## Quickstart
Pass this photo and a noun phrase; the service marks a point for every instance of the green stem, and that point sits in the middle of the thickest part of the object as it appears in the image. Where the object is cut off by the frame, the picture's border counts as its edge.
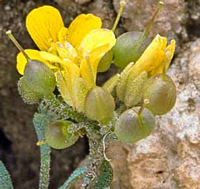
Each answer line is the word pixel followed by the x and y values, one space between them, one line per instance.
pixel 146 31
pixel 95 157
pixel 140 110
pixel 74 177
pixel 5 180
pixel 151 22
pixel 40 122
pixel 65 111
pixel 122 4
pixel 45 151
pixel 12 38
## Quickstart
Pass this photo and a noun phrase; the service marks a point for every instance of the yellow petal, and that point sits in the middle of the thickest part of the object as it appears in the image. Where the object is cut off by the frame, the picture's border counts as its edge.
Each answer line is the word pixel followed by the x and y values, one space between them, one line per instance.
pixel 33 54
pixel 97 53
pixel 67 51
pixel 62 35
pixel 88 71
pixel 93 47
pixel 81 93
pixel 169 53
pixel 43 25
pixel 152 58
pixel 62 87
pixel 170 50
pixel 68 83
pixel 81 26
pixel 97 38
pixel 50 57
pixel 89 64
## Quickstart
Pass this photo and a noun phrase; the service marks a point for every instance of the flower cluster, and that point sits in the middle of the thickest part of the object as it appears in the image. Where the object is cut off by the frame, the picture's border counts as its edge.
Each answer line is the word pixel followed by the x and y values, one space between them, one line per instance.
pixel 69 59
pixel 73 53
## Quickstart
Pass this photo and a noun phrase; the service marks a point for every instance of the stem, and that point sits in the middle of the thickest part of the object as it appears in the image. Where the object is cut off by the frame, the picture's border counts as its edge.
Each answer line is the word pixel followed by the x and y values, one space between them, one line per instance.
pixel 122 4
pixel 44 166
pixel 95 157
pixel 151 22
pixel 146 31
pixel 40 122
pixel 78 173
pixel 12 38
pixel 63 110
pixel 5 180
pixel 140 110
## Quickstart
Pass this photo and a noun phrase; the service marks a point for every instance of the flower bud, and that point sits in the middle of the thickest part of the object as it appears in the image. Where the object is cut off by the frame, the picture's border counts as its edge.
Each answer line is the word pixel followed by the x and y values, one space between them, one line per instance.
pixel 99 105
pixel 129 47
pixel 57 135
pixel 133 90
pixel 39 77
pixel 29 96
pixel 111 83
pixel 159 94
pixel 121 85
pixel 105 61
pixel 132 127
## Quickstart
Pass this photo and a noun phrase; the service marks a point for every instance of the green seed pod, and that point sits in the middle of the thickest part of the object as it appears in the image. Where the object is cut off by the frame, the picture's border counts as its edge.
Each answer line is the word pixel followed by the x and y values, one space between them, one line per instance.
pixel 57 135
pixel 134 86
pixel 159 94
pixel 39 77
pixel 132 127
pixel 129 47
pixel 105 61
pixel 99 105
pixel 29 96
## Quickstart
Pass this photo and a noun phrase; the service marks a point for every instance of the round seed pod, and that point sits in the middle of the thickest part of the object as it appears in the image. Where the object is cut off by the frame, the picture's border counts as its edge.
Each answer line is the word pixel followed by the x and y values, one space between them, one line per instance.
pixel 57 135
pixel 132 127
pixel 129 47
pixel 159 94
pixel 99 105
pixel 105 61
pixel 39 77
pixel 29 96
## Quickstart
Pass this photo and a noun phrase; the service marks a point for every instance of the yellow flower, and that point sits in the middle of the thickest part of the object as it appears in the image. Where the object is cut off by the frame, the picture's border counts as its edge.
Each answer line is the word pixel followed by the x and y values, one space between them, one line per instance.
pixel 156 55
pixel 73 53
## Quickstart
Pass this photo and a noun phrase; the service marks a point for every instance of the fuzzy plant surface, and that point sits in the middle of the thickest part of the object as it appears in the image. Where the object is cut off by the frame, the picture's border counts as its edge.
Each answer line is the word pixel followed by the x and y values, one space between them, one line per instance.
pixel 61 78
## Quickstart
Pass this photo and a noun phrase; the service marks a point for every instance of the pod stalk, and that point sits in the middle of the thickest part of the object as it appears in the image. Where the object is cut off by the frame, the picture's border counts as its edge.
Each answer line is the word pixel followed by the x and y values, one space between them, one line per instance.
pixel 122 4
pixel 151 22
pixel 140 110
pixel 12 38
